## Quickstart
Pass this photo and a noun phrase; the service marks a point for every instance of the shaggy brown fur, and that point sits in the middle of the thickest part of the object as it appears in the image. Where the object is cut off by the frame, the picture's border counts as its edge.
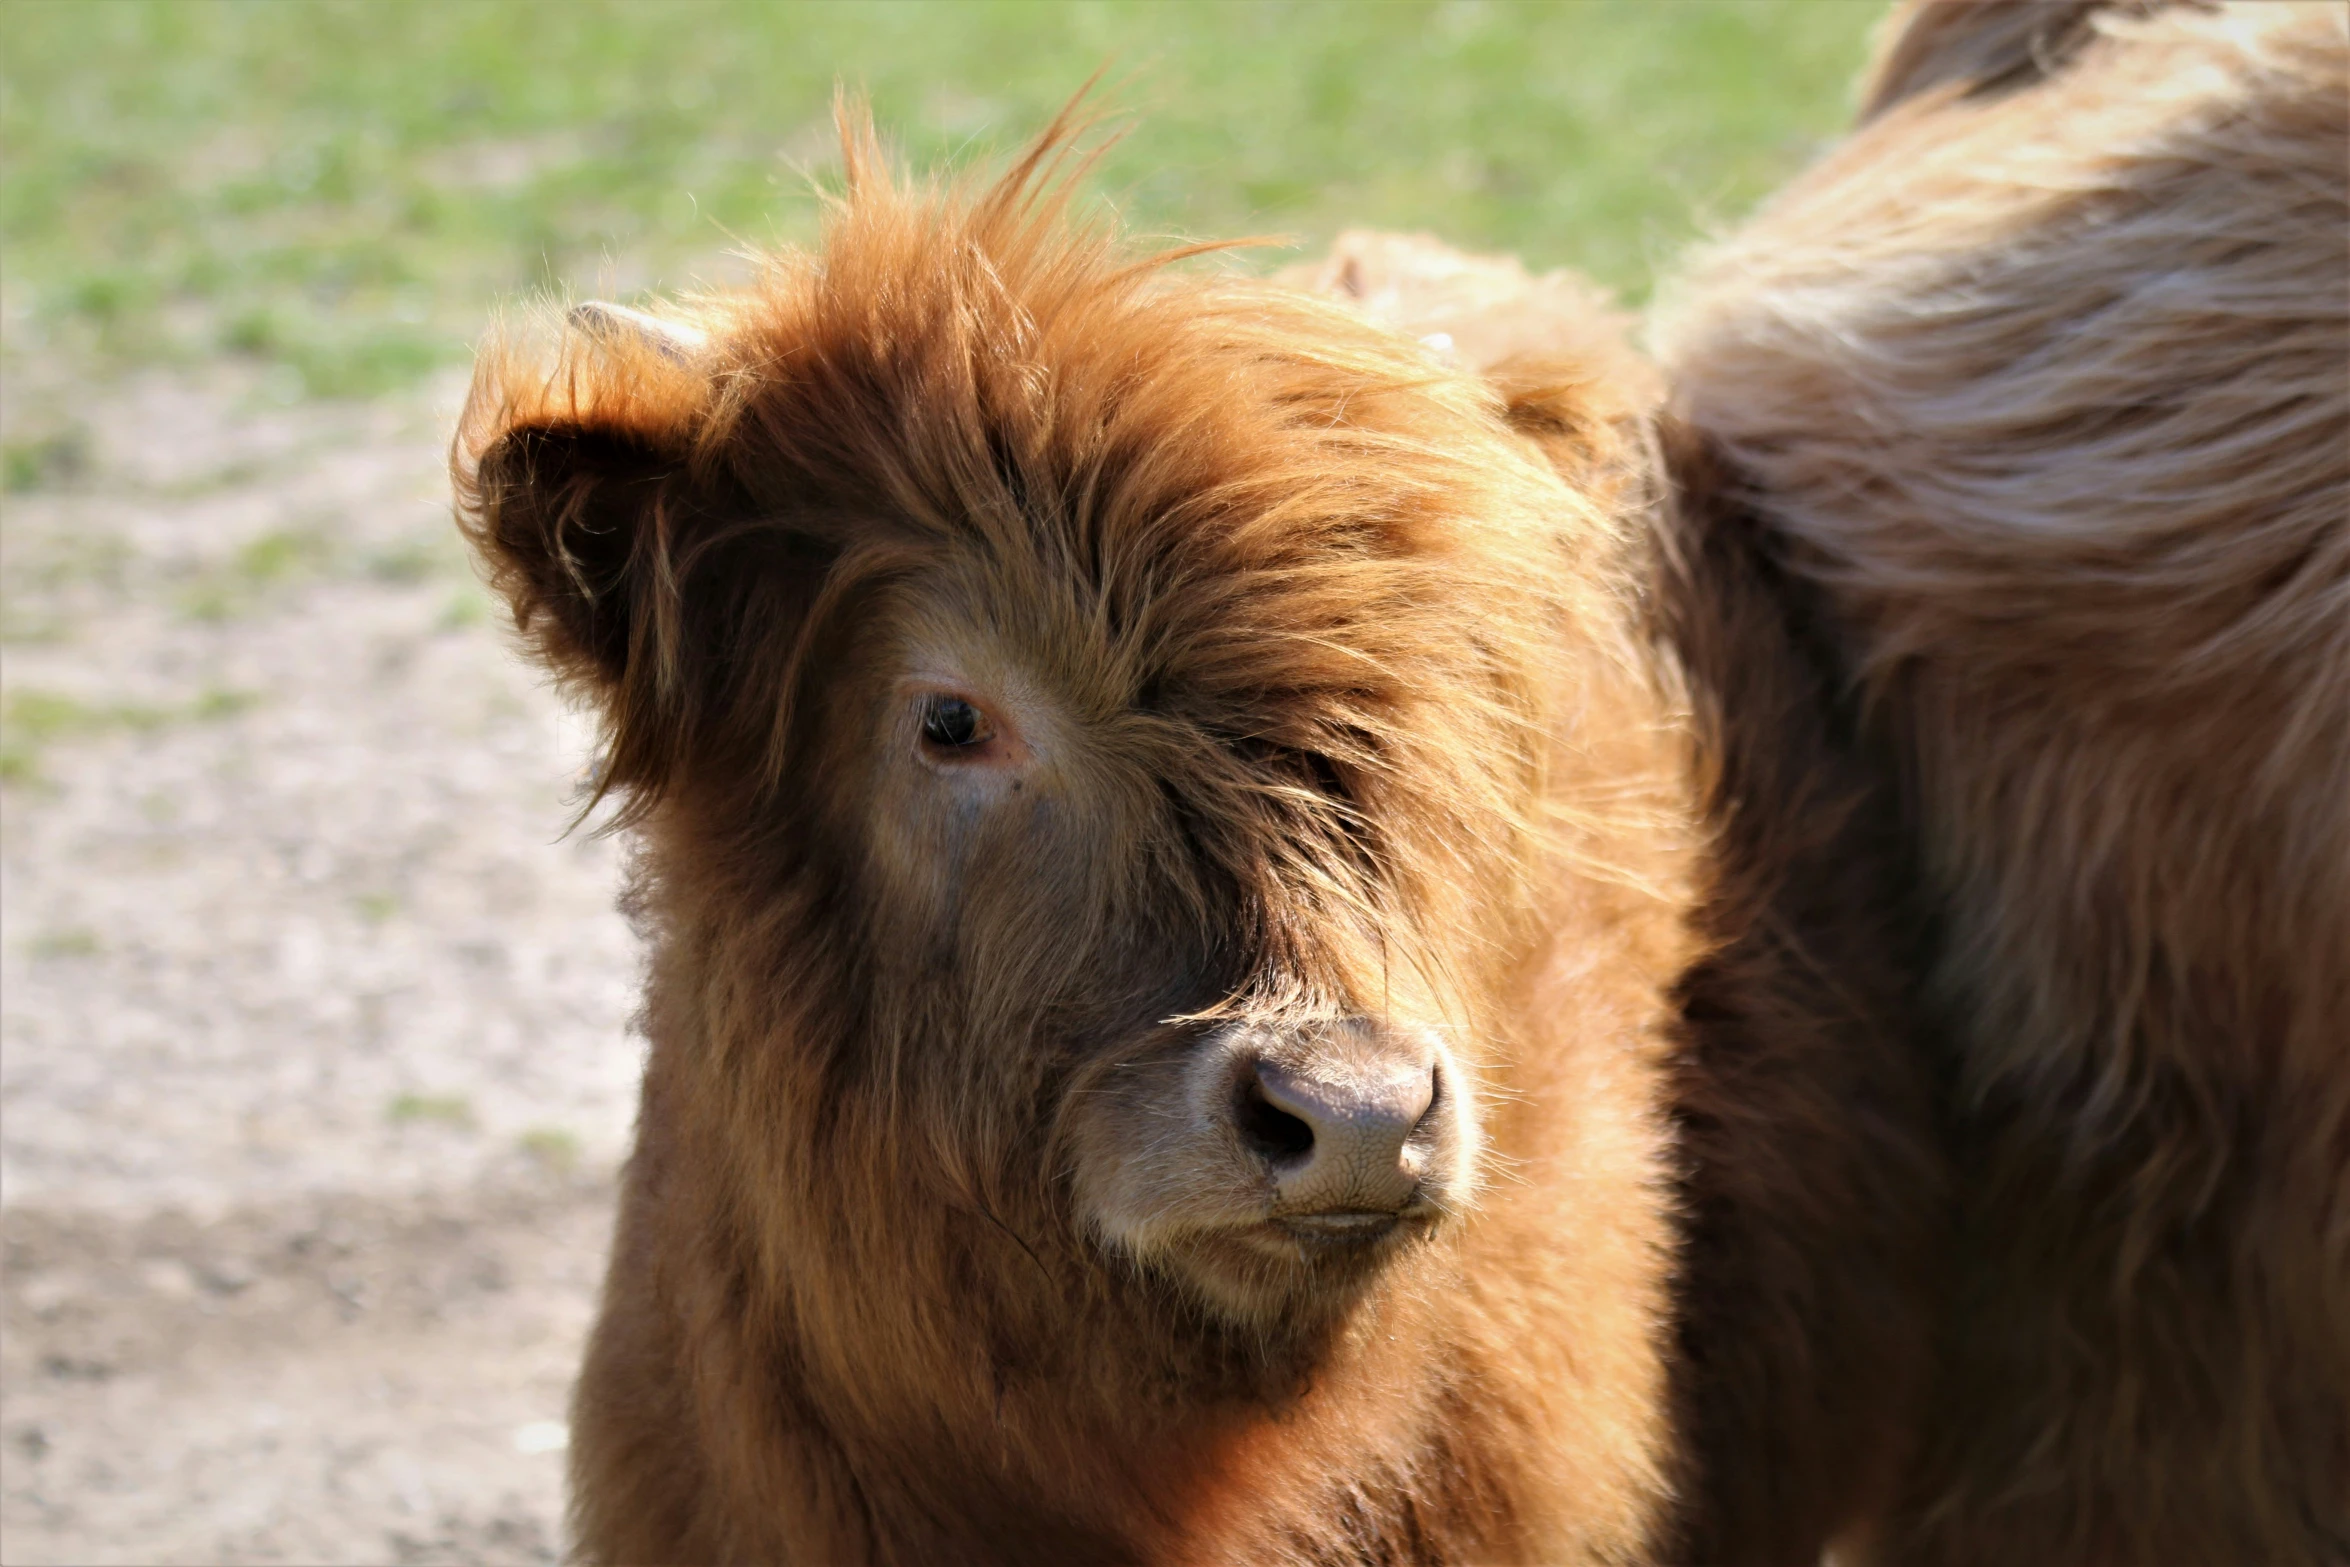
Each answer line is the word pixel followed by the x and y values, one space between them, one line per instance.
pixel 2035 396
pixel 1811 1183
pixel 1313 709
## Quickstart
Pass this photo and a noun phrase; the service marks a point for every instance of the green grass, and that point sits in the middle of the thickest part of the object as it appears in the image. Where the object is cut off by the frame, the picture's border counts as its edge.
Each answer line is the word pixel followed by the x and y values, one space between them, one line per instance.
pixel 465 608
pixel 262 567
pixel 75 941
pixel 414 560
pixel 345 190
pixel 31 720
pixel 44 462
pixel 442 1109
pixel 550 1147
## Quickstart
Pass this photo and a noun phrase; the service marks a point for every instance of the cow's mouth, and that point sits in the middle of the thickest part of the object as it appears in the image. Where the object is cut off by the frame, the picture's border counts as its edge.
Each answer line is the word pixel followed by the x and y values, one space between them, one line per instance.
pixel 1345 1228
pixel 1348 1232
pixel 1296 1265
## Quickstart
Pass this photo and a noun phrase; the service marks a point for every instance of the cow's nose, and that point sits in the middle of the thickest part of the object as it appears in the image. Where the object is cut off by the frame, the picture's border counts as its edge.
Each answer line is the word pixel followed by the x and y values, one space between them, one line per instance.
pixel 1339 1130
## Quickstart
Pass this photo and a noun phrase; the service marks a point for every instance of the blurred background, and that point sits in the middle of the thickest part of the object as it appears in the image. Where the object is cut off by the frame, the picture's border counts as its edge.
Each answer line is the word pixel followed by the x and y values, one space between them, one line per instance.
pixel 315 1060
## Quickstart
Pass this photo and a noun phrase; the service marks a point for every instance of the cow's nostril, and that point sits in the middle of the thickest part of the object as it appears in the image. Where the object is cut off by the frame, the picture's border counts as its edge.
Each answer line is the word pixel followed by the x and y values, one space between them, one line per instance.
pixel 1270 1131
pixel 1344 1132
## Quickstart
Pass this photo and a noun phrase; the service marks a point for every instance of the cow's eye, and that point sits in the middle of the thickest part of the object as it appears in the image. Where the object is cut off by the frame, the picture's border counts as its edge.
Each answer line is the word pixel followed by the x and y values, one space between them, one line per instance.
pixel 952 724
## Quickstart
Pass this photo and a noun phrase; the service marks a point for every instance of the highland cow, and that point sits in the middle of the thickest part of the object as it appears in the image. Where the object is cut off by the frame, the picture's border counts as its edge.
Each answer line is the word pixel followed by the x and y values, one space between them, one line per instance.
pixel 2034 400
pixel 1165 860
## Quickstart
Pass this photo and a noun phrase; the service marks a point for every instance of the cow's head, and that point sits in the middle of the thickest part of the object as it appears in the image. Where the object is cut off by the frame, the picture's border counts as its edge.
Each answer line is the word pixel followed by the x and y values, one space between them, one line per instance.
pixel 1090 723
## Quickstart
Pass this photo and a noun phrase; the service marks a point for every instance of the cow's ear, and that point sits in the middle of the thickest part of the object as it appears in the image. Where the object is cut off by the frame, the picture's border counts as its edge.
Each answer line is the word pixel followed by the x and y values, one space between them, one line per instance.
pixel 606 511
pixel 560 518
pixel 589 527
pixel 574 485
pixel 568 518
pixel 1591 419
pixel 1976 47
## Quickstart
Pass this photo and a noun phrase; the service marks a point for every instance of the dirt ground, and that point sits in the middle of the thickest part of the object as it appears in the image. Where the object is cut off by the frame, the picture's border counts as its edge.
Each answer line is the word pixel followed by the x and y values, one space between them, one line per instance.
pixel 315 1063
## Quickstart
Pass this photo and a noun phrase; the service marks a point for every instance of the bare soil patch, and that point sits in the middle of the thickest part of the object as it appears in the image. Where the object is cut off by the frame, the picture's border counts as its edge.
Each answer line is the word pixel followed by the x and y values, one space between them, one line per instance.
pixel 314 1058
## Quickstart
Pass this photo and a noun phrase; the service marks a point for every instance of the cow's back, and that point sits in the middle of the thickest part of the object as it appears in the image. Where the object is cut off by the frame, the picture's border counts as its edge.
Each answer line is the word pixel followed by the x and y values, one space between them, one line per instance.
pixel 2038 392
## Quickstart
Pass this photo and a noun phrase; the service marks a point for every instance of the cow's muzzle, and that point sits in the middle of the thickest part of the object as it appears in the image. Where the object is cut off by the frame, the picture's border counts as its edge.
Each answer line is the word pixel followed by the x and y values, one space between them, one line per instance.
pixel 1275 1167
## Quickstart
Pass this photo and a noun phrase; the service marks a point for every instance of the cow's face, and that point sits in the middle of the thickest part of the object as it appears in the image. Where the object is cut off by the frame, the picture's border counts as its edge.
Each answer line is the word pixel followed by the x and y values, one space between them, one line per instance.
pixel 1133 938
pixel 1134 692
